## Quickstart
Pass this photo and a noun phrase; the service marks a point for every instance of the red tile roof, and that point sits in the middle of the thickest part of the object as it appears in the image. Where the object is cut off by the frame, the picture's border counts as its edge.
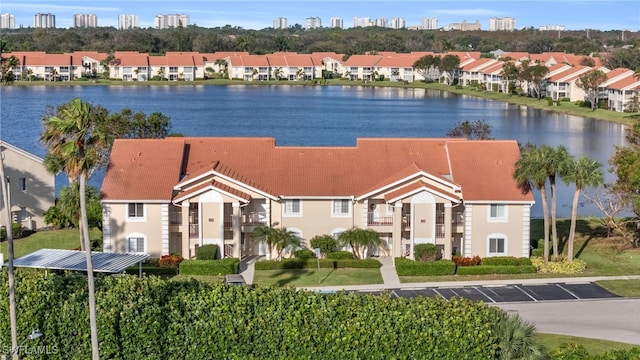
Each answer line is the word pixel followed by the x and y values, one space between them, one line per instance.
pixel 149 169
pixel 411 188
pixel 362 60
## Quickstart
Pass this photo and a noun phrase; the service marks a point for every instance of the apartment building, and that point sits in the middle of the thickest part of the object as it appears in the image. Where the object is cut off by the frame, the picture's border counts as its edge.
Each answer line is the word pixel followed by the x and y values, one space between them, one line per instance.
pixel 397 23
pixel 7 21
pixel 336 22
pixel 172 195
pixel 280 23
pixel 312 23
pixel 126 22
pixel 85 20
pixel 44 21
pixel 465 26
pixel 502 24
pixel 429 23
pixel 31 187
pixel 170 21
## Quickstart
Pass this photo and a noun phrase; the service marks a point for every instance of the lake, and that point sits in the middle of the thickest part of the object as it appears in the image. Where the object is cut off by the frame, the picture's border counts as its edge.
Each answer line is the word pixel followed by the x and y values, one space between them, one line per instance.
pixel 318 116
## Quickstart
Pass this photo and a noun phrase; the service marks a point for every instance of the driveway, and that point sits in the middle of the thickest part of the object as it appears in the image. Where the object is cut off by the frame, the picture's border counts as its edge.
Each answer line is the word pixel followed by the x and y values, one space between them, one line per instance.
pixel 610 319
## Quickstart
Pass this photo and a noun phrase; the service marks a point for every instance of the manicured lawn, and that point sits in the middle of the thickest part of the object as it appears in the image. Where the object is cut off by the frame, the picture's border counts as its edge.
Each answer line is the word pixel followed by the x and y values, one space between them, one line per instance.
pixel 310 277
pixel 48 239
pixel 593 346
pixel 627 288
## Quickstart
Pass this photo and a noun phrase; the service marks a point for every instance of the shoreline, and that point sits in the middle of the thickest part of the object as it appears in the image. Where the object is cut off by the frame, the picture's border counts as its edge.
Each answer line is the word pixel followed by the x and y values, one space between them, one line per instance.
pixel 567 108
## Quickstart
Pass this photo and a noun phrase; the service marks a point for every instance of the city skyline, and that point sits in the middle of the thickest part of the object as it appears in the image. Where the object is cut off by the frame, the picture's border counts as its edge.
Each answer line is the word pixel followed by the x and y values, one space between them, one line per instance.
pixel 572 14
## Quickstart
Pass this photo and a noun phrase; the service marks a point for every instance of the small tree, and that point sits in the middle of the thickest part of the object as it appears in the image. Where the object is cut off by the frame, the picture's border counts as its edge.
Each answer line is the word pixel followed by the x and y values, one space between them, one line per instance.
pixel 590 83
pixel 477 130
pixel 426 64
pixel 326 243
pixel 359 240
pixel 449 64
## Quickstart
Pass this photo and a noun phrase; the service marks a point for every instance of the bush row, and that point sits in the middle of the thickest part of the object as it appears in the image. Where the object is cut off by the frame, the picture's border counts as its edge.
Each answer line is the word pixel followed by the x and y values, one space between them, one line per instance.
pixel 207 252
pixel 495 269
pixel 313 263
pixel 150 318
pixel 152 270
pixel 210 267
pixel 495 260
pixel 407 267
pixel 576 266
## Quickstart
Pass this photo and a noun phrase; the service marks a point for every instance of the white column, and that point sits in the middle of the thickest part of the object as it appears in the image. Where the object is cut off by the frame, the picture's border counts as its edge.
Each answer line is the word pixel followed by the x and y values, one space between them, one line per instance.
pixel 526 228
pixel 165 228
pixel 466 249
pixel 396 232
pixel 447 231
pixel 236 224
pixel 186 246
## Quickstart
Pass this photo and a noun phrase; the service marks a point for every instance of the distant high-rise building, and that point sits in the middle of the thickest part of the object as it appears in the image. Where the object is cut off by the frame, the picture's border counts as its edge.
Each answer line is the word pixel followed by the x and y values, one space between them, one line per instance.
pixel 312 23
pixel 429 23
pixel 552 28
pixel 170 21
pixel 280 23
pixel 465 26
pixel 128 22
pixel 502 24
pixel 361 22
pixel 381 22
pixel 7 21
pixel 397 23
pixel 336 22
pixel 45 21
pixel 85 20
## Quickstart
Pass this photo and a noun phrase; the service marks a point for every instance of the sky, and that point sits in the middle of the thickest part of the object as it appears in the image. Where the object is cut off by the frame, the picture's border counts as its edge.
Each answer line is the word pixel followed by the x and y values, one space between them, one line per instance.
pixel 572 14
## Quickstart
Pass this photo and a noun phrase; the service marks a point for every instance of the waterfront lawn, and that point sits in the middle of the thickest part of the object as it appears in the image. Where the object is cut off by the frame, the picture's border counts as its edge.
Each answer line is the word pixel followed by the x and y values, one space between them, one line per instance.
pixel 593 346
pixel 311 277
pixel 48 239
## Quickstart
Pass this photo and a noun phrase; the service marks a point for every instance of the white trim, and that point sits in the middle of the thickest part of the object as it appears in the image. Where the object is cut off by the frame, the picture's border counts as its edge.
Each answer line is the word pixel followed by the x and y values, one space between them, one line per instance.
pixel 19 151
pixel 468 222
pixel 142 218
pixel 419 173
pixel 232 180
pixel 291 214
pixel 165 228
pixel 498 202
pixel 209 188
pixel 424 188
pixel 497 236
pixel 502 219
pixel 137 200
pixel 313 197
pixel 136 235
pixel 526 231
pixel 106 228
pixel 341 215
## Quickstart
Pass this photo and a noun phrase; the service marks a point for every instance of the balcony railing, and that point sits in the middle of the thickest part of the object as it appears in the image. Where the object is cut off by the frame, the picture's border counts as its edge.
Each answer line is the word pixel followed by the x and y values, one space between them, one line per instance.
pixel 439 230
pixel 458 219
pixel 254 218
pixel 375 219
pixel 175 218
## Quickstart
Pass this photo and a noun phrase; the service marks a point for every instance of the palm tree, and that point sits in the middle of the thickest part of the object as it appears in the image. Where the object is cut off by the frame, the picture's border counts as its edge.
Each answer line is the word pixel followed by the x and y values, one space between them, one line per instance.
pixel 530 174
pixel 556 160
pixel 29 74
pixel 300 74
pixel 516 339
pixel 54 74
pixel 277 239
pixel 582 172
pixel 72 137
pixel 222 65
pixel 277 73
pixel 161 73
pixel 254 73
pixel 359 240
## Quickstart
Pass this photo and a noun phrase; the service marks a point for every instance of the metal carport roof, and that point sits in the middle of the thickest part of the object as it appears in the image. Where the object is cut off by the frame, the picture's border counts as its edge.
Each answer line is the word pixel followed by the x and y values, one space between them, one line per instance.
pixel 56 259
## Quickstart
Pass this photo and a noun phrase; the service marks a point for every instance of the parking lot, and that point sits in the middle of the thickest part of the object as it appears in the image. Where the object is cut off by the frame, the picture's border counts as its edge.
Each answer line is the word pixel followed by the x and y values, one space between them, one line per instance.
pixel 512 293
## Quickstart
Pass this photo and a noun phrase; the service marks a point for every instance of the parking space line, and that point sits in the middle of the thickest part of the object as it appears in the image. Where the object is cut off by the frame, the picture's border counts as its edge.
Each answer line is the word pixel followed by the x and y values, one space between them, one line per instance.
pixel 567 290
pixel 485 295
pixel 437 292
pixel 525 292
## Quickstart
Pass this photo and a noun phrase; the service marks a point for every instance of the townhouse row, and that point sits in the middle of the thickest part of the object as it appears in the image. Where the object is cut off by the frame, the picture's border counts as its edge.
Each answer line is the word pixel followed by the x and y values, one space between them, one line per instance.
pixel 561 81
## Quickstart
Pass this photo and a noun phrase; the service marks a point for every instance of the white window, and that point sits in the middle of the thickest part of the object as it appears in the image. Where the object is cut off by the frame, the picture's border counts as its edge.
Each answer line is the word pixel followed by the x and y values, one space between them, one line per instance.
pixel 292 207
pixel 497 213
pixel 135 211
pixel 341 208
pixel 22 184
pixel 136 243
pixel 497 245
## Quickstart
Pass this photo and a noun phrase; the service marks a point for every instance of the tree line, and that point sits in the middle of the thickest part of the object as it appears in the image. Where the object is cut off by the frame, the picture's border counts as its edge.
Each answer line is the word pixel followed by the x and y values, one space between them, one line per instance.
pixel 344 41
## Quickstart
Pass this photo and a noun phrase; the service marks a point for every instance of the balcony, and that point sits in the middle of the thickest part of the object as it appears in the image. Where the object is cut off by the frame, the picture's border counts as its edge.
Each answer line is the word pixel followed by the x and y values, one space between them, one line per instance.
pixel 175 218
pixel 376 220
pixel 255 218
pixel 439 230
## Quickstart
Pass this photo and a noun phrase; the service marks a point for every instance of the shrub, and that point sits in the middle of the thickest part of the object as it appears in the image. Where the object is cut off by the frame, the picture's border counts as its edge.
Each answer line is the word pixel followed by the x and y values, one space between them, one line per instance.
pixel 537 252
pixel 326 243
pixel 170 261
pixel 16 232
pixel 151 262
pixel 407 267
pixel 540 244
pixel 495 269
pixel 291 264
pixel 210 267
pixel 576 266
pixel 152 270
pixel 207 252
pixel 337 255
pixel 506 260
pixel 467 261
pixel 304 254
pixel 425 252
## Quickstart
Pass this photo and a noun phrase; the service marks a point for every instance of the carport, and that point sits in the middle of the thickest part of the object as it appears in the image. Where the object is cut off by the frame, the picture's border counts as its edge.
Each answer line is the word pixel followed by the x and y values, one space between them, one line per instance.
pixel 76 260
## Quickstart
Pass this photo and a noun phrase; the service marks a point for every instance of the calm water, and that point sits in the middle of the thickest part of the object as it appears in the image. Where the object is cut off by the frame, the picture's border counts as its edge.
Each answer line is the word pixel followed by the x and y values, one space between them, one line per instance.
pixel 321 115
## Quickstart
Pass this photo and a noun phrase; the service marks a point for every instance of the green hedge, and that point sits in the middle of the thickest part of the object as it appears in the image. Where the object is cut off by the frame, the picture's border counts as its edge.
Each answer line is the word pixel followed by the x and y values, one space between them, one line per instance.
pixel 406 267
pixel 506 260
pixel 495 269
pixel 537 252
pixel 151 318
pixel 207 252
pixel 152 270
pixel 291 264
pixel 337 255
pixel 210 267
